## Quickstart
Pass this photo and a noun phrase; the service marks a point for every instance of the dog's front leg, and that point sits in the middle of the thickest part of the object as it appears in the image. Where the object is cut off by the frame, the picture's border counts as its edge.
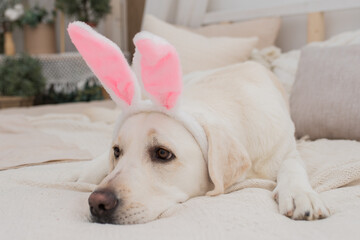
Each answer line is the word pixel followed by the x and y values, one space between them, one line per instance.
pixel 294 194
pixel 96 170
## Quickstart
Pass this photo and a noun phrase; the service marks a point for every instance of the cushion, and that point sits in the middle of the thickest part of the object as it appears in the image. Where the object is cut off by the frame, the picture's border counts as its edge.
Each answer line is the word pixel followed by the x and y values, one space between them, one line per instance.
pixel 197 52
pixel 325 99
pixel 286 65
pixel 266 29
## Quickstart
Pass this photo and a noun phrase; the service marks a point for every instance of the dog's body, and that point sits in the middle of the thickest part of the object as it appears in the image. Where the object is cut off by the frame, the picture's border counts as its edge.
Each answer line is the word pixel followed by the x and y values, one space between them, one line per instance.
pixel 251 109
pixel 250 135
pixel 229 126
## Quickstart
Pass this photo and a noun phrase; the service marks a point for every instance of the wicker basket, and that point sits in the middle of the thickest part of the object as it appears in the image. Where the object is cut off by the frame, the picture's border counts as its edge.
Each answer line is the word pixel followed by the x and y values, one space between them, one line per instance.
pixel 10 101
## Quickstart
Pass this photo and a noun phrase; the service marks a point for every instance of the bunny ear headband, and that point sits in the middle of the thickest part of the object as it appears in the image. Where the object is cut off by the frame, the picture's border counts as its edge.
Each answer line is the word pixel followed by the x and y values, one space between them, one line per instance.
pixel 156 63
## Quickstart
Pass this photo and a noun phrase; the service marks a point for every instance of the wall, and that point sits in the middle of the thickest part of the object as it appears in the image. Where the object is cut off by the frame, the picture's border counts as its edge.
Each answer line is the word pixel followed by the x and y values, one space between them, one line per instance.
pixel 293 31
pixel 292 34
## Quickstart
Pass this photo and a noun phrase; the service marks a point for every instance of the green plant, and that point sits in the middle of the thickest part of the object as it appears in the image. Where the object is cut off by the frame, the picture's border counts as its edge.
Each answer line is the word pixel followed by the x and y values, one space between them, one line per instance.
pixel 10 12
pixel 91 91
pixel 36 15
pixel 6 5
pixel 89 11
pixel 21 76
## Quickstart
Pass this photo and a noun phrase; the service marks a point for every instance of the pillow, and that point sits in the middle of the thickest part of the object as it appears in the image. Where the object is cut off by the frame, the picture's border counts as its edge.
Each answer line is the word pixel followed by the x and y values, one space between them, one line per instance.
pixel 197 52
pixel 325 99
pixel 266 29
pixel 286 65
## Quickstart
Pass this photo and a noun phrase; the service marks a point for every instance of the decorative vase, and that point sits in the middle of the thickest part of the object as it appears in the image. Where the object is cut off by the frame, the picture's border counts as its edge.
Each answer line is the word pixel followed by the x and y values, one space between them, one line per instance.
pixel 9 45
pixel 41 39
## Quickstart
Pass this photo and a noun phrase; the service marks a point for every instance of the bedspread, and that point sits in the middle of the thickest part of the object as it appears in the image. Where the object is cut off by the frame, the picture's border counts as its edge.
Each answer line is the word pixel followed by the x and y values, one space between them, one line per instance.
pixel 44 201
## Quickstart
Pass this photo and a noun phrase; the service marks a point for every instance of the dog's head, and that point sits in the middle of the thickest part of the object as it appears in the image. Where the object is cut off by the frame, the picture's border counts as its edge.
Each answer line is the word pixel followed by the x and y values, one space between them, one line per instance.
pixel 160 156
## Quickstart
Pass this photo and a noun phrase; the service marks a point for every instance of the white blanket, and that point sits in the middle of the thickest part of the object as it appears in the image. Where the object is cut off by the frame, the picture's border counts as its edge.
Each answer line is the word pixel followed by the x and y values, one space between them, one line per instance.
pixel 51 133
pixel 44 202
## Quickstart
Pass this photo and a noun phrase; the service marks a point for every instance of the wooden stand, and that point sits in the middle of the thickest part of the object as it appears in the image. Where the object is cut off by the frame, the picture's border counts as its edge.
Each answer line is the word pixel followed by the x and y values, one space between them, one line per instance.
pixel 41 39
pixel 315 27
pixel 62 32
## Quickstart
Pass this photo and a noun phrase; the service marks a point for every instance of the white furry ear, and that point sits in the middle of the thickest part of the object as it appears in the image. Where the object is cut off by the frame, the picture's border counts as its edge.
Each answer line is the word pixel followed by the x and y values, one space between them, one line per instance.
pixel 228 160
pixel 107 62
pixel 157 63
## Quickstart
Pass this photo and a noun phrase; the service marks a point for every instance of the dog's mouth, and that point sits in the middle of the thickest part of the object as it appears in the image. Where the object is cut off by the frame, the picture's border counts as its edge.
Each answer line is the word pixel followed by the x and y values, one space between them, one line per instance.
pixel 119 217
pixel 164 214
pixel 115 220
pixel 170 210
pixel 103 220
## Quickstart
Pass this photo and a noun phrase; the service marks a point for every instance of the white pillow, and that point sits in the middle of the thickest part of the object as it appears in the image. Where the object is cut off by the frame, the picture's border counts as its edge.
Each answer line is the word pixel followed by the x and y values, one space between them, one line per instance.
pixel 197 52
pixel 285 67
pixel 266 29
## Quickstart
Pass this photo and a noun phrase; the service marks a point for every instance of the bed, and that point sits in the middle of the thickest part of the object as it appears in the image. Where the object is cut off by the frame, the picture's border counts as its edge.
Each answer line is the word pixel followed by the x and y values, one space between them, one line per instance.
pixel 44 149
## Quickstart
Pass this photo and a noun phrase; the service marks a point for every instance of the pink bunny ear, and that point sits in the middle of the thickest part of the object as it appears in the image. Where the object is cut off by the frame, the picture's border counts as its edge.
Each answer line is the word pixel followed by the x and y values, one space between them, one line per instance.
pixel 106 60
pixel 160 68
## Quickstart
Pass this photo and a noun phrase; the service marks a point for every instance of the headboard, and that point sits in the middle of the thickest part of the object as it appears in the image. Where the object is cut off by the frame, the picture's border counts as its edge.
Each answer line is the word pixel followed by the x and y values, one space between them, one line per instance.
pixel 195 13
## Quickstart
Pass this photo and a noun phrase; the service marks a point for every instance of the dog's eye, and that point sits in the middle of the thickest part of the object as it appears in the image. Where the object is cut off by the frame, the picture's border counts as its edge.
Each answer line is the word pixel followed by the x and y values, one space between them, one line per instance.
pixel 163 154
pixel 117 151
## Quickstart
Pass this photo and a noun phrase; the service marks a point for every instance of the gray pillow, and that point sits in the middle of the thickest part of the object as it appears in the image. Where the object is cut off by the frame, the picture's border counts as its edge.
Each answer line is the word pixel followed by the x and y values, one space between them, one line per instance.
pixel 325 99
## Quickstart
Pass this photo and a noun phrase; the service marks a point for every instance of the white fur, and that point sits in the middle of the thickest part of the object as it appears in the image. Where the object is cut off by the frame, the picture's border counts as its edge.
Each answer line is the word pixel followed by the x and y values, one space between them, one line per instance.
pixel 250 135
pixel 139 105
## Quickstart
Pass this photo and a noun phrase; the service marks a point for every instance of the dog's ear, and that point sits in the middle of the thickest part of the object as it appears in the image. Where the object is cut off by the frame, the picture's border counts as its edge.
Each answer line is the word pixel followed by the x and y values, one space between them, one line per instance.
pixel 228 160
pixel 158 67
pixel 107 62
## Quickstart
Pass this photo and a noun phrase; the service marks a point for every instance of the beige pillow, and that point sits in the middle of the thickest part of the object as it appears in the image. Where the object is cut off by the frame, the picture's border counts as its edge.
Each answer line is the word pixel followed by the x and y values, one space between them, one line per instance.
pixel 197 52
pixel 325 99
pixel 266 29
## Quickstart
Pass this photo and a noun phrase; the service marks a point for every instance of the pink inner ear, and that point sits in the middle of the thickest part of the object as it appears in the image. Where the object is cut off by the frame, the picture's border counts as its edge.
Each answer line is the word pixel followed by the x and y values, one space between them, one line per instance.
pixel 106 61
pixel 160 71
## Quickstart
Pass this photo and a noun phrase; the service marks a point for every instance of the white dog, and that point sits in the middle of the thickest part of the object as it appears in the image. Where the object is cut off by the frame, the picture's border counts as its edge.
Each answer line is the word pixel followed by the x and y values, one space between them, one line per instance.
pixel 222 132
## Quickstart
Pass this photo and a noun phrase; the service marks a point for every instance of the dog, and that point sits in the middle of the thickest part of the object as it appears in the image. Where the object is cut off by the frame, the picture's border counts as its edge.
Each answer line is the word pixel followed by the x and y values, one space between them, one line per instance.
pixel 196 141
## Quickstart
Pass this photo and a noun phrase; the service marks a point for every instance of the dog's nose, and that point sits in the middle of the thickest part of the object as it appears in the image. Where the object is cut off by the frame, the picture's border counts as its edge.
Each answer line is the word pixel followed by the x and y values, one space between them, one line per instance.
pixel 102 204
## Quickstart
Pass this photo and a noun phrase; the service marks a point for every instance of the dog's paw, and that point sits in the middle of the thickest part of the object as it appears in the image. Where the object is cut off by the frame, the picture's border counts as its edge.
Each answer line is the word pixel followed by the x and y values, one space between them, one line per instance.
pixel 95 170
pixel 300 204
pixel 90 177
pixel 92 174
